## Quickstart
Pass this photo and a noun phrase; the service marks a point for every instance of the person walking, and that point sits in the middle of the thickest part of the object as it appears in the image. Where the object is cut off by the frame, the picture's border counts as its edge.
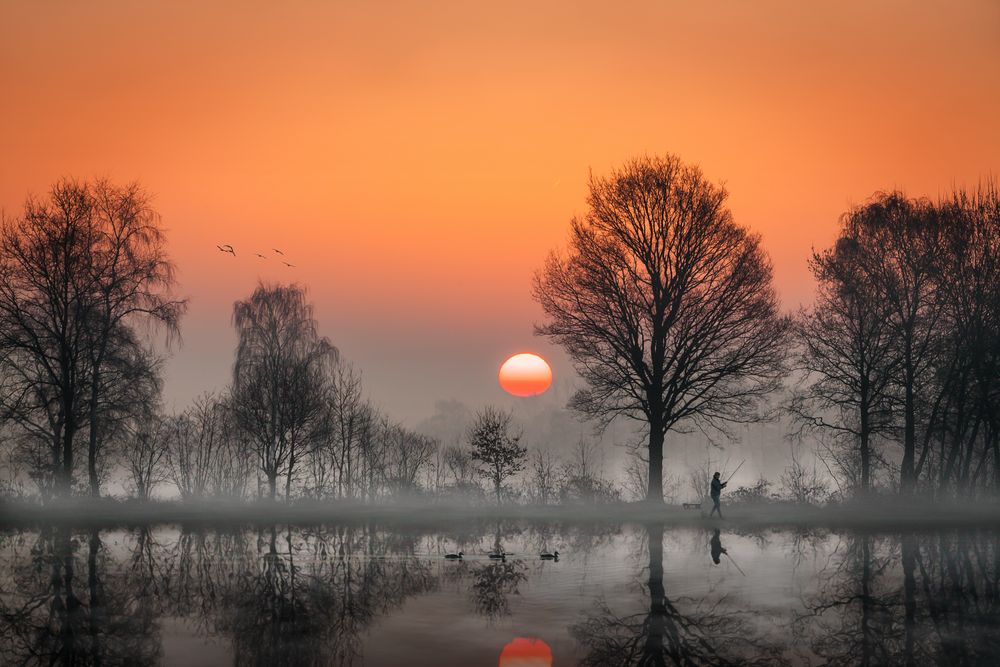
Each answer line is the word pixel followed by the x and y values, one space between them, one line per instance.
pixel 716 493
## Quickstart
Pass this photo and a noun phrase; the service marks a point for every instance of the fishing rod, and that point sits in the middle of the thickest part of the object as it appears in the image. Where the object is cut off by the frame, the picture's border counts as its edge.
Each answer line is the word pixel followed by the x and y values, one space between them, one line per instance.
pixel 734 563
pixel 736 471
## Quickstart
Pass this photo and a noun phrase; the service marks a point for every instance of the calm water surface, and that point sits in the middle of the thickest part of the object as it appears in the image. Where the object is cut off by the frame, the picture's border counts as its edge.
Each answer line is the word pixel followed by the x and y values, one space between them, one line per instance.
pixel 377 595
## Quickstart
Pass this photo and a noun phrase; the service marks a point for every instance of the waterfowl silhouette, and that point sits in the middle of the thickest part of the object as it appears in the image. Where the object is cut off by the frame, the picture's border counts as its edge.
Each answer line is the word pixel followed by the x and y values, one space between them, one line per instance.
pixel 545 555
pixel 498 555
pixel 457 556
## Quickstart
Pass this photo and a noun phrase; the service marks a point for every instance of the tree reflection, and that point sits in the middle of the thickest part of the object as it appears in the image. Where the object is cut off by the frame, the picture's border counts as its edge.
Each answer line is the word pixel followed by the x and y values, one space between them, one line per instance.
pixel 60 618
pixel 291 597
pixel 493 584
pixel 924 599
pixel 308 601
pixel 671 632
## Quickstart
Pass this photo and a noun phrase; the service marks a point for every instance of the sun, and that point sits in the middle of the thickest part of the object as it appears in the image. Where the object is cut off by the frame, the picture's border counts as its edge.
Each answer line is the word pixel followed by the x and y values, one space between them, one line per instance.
pixel 525 374
pixel 526 652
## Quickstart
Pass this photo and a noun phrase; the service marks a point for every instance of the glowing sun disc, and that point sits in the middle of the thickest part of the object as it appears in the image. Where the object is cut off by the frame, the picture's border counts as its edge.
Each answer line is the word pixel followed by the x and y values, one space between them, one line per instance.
pixel 525 374
pixel 526 652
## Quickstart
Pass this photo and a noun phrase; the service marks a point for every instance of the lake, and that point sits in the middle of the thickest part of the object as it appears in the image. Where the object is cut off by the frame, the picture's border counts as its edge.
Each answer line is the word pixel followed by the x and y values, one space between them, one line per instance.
pixel 619 593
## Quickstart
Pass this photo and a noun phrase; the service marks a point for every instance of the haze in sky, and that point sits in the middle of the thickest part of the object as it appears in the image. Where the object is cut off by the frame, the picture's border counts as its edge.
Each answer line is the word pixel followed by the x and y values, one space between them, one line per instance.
pixel 416 163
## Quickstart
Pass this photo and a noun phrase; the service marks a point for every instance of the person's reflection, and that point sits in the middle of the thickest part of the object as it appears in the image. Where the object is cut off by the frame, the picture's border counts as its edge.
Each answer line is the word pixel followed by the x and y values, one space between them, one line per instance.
pixel 676 631
pixel 715 545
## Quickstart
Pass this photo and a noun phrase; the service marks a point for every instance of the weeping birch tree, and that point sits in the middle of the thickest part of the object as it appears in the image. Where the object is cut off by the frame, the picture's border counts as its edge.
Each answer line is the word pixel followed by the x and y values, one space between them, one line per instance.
pixel 279 391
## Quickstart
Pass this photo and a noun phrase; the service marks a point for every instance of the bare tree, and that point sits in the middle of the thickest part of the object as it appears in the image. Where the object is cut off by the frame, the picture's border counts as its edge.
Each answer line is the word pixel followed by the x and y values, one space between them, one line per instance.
pixel 144 453
pixel 460 463
pixel 968 277
pixel 46 310
pixel 77 274
pixel 196 441
pixel 900 238
pixel 665 304
pixel 495 445
pixel 636 481
pixel 409 453
pixel 545 477
pixel 846 355
pixel 583 479
pixel 802 485
pixel 348 414
pixel 133 279
pixel 279 392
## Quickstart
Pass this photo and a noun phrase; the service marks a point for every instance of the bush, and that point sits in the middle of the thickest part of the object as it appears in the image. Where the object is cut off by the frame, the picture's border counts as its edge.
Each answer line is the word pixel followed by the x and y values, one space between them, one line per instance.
pixel 760 492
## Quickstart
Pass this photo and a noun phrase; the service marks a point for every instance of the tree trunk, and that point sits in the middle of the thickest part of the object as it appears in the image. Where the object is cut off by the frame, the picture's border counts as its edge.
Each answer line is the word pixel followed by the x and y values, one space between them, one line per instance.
pixel 865 447
pixel 95 484
pixel 67 456
pixel 654 493
pixel 653 649
pixel 272 484
pixel 866 463
pixel 908 554
pixel 907 483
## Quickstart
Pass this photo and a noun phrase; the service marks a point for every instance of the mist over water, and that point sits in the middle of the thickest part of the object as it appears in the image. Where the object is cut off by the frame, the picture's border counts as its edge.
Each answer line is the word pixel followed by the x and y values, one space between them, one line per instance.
pixel 379 594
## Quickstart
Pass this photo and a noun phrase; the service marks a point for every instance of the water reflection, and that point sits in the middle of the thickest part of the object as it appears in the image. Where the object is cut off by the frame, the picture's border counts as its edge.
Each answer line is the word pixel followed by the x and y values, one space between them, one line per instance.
pixel 526 652
pixel 678 631
pixel 917 599
pixel 68 611
pixel 323 595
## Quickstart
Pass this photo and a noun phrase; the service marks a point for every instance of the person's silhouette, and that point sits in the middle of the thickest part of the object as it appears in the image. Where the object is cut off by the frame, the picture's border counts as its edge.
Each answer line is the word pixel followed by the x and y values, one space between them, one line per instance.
pixel 717 486
pixel 715 544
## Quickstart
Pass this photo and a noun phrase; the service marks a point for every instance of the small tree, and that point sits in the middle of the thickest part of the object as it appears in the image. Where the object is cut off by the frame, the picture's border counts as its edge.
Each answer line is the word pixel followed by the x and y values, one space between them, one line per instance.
pixel 803 486
pixel 496 447
pixel 144 453
pixel 545 477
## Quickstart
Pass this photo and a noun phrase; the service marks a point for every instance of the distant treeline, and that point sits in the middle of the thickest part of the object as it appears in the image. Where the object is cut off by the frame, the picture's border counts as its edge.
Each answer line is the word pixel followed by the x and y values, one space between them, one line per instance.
pixel 664 303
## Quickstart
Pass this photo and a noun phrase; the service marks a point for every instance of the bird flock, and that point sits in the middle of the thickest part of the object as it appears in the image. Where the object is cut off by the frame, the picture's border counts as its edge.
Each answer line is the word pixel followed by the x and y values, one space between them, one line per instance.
pixel 226 248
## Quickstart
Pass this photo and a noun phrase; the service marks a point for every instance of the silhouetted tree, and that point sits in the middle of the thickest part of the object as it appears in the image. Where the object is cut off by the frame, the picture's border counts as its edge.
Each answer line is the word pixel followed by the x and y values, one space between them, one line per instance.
pixel 846 354
pixel 968 273
pixel 47 306
pixel 545 477
pixel 133 279
pixel 898 238
pixel 496 447
pixel 665 304
pixel 144 452
pixel 77 275
pixel 279 392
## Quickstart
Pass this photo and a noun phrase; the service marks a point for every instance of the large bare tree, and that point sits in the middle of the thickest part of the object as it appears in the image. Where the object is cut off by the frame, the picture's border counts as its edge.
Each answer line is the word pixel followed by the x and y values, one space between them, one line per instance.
pixel 133 280
pixel 46 305
pixel 847 359
pixel 665 305
pixel 78 271
pixel 279 391
pixel 898 239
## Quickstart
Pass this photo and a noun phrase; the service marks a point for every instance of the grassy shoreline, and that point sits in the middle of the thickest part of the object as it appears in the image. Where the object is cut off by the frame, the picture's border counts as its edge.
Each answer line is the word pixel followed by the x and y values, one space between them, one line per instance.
pixel 886 515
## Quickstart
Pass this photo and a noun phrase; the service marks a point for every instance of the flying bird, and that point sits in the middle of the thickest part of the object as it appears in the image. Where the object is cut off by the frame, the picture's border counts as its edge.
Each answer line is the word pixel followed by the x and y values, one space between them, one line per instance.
pixel 277 251
pixel 227 248
pixel 260 255
pixel 287 264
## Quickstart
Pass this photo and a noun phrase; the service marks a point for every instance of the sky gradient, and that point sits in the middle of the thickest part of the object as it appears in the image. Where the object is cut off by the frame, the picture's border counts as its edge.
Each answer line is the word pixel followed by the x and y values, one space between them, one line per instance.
pixel 417 164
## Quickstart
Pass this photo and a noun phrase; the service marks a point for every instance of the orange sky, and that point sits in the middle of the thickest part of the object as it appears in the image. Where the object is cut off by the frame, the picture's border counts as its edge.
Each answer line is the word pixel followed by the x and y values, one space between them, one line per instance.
pixel 417 164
